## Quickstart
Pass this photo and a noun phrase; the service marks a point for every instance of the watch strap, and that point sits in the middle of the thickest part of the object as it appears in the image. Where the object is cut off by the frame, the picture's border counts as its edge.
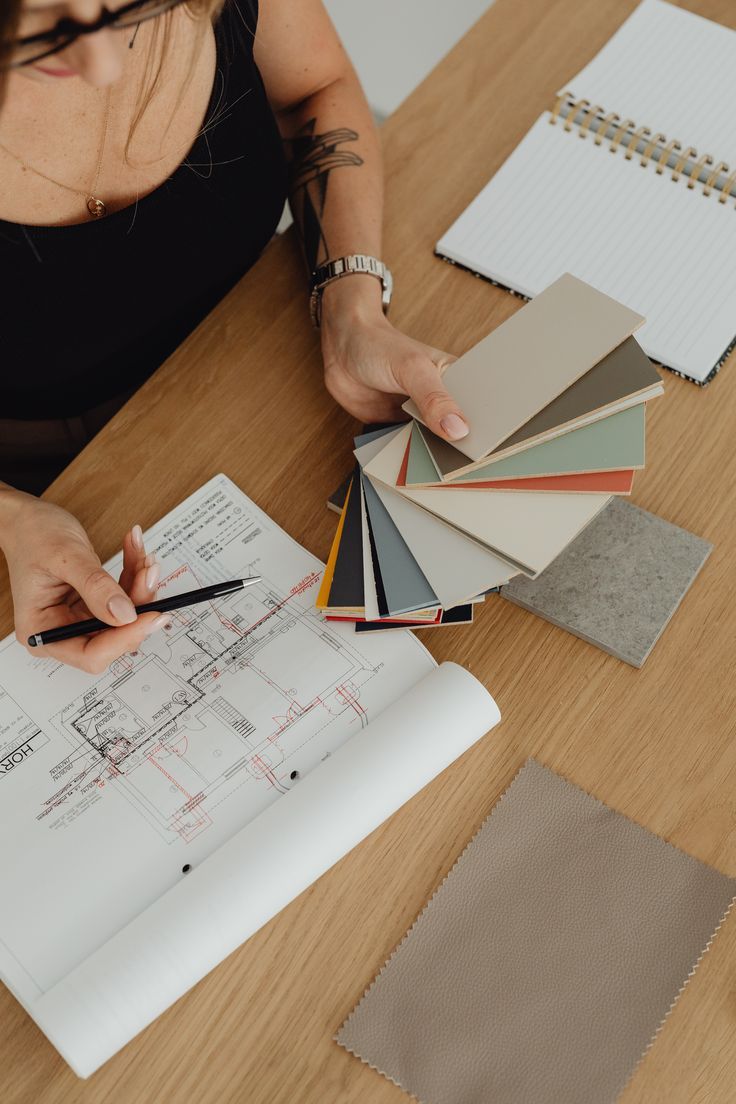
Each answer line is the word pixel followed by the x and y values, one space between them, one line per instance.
pixel 360 263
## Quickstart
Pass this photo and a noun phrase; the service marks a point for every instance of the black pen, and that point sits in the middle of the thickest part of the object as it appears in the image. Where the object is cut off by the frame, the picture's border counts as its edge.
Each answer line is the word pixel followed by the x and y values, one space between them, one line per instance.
pixel 173 602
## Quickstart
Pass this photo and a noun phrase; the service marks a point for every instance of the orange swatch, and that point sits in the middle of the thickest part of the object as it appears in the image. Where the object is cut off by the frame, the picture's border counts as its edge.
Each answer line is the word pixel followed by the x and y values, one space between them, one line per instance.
pixel 611 482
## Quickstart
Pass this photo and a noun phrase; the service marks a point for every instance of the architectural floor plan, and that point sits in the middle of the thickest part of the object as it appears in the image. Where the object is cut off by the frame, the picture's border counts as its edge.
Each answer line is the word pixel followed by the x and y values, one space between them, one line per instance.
pixel 243 693
pixel 121 783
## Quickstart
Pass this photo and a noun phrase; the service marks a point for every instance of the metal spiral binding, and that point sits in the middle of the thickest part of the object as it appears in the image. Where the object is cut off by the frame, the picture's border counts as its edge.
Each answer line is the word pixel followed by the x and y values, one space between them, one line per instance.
pixel 657 149
pixel 689 155
pixel 671 147
pixel 587 119
pixel 650 147
pixel 609 120
pixel 721 169
pixel 694 175
pixel 574 111
pixel 728 188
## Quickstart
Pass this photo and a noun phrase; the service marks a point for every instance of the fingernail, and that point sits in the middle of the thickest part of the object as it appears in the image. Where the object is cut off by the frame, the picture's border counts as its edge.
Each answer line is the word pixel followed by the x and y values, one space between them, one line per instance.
pixel 137 535
pixel 122 609
pixel 454 427
pixel 152 576
pixel 162 622
pixel 150 559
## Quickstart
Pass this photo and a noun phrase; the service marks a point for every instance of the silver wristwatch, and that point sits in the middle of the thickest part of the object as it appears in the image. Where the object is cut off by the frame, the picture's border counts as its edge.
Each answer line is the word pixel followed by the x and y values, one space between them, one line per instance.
pixel 345 266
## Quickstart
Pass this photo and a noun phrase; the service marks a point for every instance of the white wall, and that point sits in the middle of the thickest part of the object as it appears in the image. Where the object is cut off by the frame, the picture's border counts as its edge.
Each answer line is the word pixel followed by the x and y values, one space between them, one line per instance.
pixel 395 43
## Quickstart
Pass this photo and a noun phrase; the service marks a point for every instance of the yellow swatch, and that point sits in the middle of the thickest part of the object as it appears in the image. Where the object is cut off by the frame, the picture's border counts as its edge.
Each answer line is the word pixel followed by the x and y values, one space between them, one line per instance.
pixel 323 598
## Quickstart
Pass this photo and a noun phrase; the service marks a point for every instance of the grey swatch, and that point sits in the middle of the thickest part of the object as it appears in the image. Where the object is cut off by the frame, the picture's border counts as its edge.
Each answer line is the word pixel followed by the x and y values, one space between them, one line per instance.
pixel 404 585
pixel 618 583
pixel 456 567
pixel 545 963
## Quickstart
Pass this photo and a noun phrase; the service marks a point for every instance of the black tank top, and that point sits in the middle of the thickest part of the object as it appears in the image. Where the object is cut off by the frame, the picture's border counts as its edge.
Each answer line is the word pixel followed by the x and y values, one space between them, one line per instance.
pixel 89 311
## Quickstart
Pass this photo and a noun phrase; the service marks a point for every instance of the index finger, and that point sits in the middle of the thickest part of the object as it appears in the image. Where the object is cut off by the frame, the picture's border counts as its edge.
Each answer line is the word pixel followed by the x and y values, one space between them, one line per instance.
pixel 134 557
pixel 94 653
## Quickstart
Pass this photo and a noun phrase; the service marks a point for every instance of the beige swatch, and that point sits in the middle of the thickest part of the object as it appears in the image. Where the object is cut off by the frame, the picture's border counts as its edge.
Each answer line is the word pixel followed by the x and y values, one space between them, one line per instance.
pixel 543 966
pixel 526 528
pixel 531 358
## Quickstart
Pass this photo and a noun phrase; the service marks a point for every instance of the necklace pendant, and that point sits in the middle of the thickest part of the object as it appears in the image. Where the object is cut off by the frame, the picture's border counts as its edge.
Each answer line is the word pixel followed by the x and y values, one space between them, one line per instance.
pixel 96 207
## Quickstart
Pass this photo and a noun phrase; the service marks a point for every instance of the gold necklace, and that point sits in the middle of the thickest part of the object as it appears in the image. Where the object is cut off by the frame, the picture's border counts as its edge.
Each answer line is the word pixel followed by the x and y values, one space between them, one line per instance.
pixel 95 206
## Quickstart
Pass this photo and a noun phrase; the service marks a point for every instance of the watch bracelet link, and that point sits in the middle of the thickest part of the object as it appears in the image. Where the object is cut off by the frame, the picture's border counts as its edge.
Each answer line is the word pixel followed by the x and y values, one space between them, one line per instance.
pixel 354 263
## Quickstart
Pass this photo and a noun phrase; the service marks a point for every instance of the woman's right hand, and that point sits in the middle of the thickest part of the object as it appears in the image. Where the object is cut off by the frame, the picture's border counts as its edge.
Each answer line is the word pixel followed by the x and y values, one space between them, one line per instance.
pixel 56 578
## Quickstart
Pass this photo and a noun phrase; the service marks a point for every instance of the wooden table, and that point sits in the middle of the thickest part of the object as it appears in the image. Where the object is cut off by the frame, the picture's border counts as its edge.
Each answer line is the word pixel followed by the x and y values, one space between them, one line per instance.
pixel 243 395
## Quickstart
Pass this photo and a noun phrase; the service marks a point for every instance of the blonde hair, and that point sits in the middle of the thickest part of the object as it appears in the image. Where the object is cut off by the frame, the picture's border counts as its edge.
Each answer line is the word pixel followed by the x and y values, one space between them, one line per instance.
pixel 158 51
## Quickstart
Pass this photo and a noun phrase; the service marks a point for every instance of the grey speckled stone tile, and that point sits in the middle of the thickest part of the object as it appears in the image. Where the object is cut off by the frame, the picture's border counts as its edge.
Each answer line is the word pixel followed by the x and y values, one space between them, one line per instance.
pixel 618 584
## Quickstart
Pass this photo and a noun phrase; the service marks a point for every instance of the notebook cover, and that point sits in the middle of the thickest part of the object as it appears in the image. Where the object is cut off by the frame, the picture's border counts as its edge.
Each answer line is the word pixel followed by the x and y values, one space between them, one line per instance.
pixel 614 443
pixel 545 963
pixel 619 583
pixel 531 358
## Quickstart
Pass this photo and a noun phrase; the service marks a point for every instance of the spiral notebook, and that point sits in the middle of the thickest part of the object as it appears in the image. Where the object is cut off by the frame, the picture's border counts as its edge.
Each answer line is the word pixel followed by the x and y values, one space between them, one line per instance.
pixel 628 182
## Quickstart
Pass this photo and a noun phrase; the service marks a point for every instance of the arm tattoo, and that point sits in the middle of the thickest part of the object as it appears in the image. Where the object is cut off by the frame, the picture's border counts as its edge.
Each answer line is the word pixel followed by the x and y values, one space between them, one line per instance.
pixel 314 156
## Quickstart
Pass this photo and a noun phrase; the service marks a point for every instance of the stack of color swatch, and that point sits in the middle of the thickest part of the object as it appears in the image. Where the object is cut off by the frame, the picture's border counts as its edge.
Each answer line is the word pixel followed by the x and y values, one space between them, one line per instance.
pixel 556 399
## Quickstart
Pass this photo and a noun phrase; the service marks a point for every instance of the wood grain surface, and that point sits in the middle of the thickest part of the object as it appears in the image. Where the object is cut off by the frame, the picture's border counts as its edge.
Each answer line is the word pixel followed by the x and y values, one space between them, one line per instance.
pixel 243 395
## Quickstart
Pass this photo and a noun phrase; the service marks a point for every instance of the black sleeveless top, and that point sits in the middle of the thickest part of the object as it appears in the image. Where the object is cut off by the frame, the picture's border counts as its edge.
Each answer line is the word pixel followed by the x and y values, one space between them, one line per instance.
pixel 89 311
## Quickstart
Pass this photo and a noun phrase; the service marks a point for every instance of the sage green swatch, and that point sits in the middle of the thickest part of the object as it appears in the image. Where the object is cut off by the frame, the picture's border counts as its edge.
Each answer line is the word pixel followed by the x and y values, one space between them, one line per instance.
pixel 420 468
pixel 611 444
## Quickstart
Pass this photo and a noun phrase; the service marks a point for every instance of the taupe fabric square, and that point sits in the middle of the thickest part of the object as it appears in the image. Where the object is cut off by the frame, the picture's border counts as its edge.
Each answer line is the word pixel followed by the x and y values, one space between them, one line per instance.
pixel 542 967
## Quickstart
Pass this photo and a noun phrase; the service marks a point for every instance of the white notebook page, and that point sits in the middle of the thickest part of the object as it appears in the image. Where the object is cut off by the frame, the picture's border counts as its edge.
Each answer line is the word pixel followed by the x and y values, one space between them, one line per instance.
pixel 670 70
pixel 562 204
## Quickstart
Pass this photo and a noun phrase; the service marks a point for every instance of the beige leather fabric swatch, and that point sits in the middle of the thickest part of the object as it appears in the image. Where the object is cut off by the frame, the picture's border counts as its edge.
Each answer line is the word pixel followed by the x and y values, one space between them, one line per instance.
pixel 531 358
pixel 544 964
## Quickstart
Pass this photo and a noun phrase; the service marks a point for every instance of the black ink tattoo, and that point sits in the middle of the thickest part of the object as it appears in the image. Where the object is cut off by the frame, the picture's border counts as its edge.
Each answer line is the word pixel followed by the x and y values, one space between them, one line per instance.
pixel 314 156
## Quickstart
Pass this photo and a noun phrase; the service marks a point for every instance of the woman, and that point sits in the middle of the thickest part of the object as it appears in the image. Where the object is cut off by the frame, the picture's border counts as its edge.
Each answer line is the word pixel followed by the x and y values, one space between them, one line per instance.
pixel 145 155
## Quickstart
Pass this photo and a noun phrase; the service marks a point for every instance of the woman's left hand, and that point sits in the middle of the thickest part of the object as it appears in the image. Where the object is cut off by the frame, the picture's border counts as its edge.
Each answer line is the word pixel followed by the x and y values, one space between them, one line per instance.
pixel 370 367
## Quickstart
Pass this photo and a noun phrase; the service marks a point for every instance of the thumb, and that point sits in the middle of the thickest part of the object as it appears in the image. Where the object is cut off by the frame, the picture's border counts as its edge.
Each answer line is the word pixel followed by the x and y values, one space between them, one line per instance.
pixel 437 408
pixel 102 596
